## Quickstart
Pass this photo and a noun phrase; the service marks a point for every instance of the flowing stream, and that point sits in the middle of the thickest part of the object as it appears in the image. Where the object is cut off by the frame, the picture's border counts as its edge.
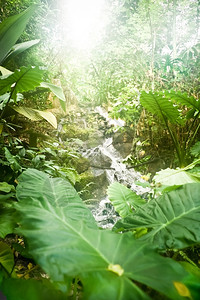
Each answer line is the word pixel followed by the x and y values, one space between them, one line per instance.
pixel 107 164
pixel 103 211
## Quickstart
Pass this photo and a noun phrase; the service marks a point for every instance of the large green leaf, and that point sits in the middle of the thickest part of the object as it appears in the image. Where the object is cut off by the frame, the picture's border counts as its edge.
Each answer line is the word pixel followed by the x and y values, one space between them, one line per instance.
pixel 7 215
pixel 173 218
pixel 7 220
pixel 65 241
pixel 123 199
pixel 6 257
pixel 36 115
pixel 5 72
pixel 36 185
pixel 158 105
pixel 184 99
pixel 21 80
pixel 19 48
pixel 175 177
pixel 170 177
pixel 58 91
pixel 21 289
pixel 11 29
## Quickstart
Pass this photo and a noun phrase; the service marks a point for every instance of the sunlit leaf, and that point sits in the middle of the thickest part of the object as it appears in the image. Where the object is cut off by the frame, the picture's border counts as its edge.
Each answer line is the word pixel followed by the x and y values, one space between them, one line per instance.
pixel 173 219
pixel 48 116
pixel 19 48
pixel 182 289
pixel 170 177
pixel 58 91
pixel 5 72
pixel 158 105
pixel 21 80
pixel 184 99
pixel 36 115
pixel 11 29
pixel 28 112
pixel 49 206
pixel 123 199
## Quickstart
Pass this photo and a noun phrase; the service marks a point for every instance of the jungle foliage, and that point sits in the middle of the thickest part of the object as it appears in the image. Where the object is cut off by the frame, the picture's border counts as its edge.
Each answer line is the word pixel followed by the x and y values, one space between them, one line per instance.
pixel 114 263
pixel 144 71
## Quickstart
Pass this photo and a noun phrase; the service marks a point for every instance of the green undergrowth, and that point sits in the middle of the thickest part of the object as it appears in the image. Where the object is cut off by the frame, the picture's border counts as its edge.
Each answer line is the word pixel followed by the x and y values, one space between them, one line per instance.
pixel 60 238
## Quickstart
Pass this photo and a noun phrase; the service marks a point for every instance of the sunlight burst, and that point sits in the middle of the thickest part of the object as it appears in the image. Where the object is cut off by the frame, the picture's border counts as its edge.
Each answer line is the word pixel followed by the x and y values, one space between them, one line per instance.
pixel 83 21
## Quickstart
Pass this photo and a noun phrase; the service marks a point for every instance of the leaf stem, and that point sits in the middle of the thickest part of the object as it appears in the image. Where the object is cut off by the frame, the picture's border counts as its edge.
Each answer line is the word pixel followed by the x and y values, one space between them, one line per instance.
pixel 75 287
pixel 4 109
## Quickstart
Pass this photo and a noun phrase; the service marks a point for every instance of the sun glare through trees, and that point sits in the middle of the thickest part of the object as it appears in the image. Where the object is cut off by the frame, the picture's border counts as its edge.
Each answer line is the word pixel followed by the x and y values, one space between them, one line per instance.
pixel 100 149
pixel 83 22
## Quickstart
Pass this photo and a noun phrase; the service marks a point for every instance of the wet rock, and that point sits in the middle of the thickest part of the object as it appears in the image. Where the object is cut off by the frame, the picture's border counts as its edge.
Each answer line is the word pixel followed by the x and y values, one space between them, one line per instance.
pixel 95 139
pixel 98 159
pixel 74 131
pixel 81 164
pixel 124 149
pixel 92 184
pixel 123 141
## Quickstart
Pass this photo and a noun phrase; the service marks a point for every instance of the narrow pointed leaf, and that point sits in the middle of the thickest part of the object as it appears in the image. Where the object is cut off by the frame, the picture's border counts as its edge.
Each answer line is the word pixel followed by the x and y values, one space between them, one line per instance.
pixel 123 199
pixel 58 91
pixel 65 241
pixel 28 113
pixel 48 116
pixel 173 218
pixel 36 115
pixel 11 29
pixel 19 48
pixel 159 105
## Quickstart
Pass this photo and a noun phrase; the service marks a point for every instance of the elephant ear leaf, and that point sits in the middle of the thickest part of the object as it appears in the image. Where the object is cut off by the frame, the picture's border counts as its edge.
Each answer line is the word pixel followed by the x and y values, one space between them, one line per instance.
pixel 160 106
pixel 38 188
pixel 30 289
pixel 11 29
pixel 173 177
pixel 184 99
pixel 123 199
pixel 22 80
pixel 168 218
pixel 64 239
pixel 7 212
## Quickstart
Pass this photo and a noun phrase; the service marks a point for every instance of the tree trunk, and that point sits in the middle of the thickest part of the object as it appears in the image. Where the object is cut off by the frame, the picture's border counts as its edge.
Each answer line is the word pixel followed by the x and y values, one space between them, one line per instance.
pixel 174 29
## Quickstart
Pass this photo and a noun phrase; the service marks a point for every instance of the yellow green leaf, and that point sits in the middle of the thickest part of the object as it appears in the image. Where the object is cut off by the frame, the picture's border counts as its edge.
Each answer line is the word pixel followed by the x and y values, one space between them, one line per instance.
pixel 182 289
pixel 117 269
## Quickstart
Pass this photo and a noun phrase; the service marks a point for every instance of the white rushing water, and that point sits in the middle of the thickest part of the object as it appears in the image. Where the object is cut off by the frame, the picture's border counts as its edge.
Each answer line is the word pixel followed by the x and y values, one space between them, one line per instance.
pixel 104 212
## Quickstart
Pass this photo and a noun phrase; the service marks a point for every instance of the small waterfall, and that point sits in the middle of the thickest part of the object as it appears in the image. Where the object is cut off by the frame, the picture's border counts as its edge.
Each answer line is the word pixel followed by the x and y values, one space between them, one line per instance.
pixel 106 163
pixel 105 156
